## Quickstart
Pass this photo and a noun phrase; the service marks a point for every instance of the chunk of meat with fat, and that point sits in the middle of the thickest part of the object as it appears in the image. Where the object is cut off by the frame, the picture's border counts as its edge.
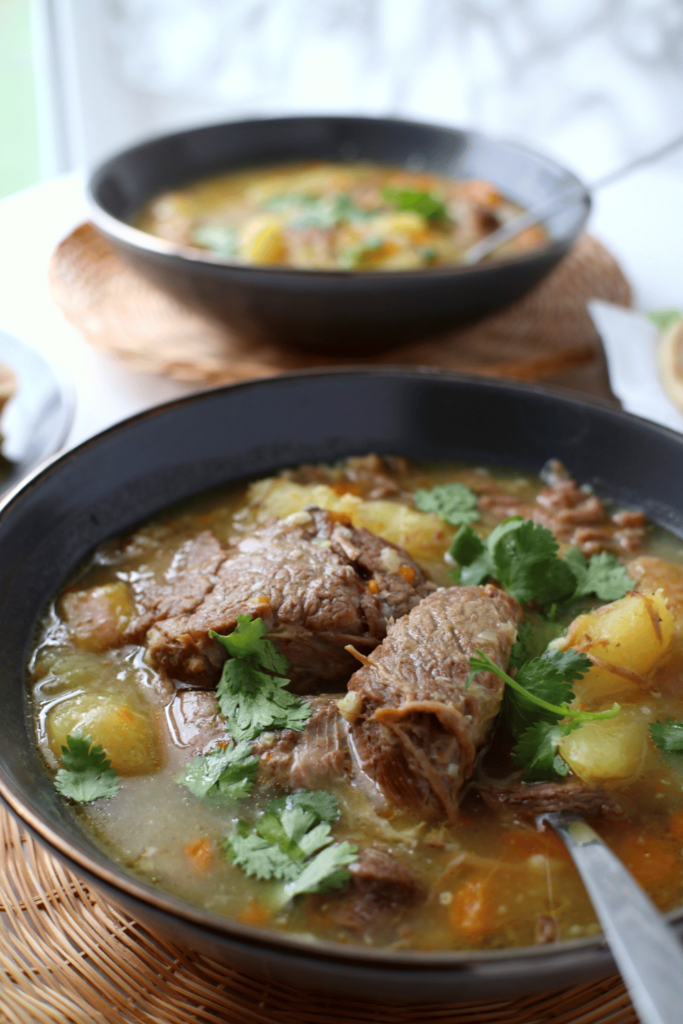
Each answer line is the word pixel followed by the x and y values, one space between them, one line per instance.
pixel 419 729
pixel 98 619
pixel 381 887
pixel 313 759
pixel 529 799
pixel 316 582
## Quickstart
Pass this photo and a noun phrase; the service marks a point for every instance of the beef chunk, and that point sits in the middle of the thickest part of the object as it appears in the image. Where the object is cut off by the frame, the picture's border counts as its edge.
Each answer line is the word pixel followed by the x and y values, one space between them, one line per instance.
pixel 380 888
pixel 529 799
pixel 318 583
pixel 311 759
pixel 418 729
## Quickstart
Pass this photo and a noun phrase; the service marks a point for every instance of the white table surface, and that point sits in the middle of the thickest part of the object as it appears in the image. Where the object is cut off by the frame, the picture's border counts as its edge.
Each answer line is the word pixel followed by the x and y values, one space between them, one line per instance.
pixel 639 220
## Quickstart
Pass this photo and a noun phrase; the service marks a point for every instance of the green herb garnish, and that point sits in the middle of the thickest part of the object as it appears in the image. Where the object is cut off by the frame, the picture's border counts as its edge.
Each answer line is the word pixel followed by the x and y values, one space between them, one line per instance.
pixel 454 503
pixel 227 771
pixel 664 318
pixel 522 556
pixel 86 774
pixel 251 697
pixel 423 203
pixel 217 238
pixel 668 735
pixel 537 700
pixel 292 844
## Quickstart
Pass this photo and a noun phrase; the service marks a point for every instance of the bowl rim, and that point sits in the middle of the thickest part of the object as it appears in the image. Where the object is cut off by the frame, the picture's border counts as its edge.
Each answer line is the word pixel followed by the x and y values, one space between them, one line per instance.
pixel 117 878
pixel 136 238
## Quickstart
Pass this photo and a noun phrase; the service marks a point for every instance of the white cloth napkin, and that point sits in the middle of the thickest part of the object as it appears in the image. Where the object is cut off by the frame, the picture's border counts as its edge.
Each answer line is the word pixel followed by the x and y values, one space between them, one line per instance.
pixel 630 342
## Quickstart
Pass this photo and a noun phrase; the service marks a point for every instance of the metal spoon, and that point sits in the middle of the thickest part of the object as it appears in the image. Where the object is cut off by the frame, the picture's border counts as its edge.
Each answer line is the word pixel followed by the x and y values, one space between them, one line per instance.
pixel 537 213
pixel 646 950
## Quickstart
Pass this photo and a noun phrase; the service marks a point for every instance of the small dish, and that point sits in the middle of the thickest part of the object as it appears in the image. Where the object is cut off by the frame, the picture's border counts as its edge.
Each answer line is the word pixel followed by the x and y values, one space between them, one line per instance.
pixel 333 312
pixel 36 420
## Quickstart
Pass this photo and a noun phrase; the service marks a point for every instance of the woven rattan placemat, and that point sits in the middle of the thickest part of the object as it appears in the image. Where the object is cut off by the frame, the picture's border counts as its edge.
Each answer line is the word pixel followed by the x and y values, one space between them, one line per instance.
pixel 546 336
pixel 68 957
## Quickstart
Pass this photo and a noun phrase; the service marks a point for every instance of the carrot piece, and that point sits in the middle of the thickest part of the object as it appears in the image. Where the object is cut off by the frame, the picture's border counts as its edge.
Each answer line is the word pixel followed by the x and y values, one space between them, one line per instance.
pixel 373 586
pixel 471 910
pixel 341 489
pixel 676 826
pixel 407 572
pixel 651 859
pixel 200 853
pixel 254 913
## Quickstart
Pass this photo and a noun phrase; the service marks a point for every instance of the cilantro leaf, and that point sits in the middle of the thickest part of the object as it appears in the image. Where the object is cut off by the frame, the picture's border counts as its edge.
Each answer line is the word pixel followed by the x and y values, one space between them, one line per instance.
pixel 454 503
pixel 602 575
pixel 467 547
pixel 664 318
pixel 536 750
pixel 327 870
pixel 250 699
pixel 668 735
pixel 257 857
pixel 423 203
pixel 226 771
pixel 525 557
pixel 86 774
pixel 482 663
pixel 549 677
pixel 292 843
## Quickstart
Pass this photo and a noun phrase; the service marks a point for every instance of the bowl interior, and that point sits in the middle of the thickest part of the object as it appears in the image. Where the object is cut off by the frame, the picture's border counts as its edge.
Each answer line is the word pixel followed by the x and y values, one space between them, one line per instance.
pixel 142 465
pixel 123 184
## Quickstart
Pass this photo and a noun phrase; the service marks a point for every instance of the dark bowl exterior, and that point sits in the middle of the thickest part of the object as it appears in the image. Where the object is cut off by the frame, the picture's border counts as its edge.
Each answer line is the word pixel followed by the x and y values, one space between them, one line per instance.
pixel 142 465
pixel 335 313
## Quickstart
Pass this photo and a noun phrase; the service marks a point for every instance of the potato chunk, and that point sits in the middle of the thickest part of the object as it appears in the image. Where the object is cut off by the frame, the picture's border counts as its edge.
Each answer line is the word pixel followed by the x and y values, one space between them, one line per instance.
pixel 262 240
pixel 625 640
pixel 421 534
pixel 124 730
pixel 608 752
pixel 97 618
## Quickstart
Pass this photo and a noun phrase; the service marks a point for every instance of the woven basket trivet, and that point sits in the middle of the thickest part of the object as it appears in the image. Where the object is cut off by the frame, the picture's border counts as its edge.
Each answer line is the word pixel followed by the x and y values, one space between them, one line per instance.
pixel 546 336
pixel 68 957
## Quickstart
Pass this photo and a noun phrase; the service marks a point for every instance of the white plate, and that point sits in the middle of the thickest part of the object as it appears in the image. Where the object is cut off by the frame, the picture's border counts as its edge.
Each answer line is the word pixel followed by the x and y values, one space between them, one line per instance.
pixel 36 421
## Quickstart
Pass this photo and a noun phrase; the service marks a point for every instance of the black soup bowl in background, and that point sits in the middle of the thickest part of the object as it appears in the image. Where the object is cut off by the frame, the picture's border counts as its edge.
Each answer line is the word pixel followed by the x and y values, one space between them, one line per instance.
pixel 332 312
pixel 137 468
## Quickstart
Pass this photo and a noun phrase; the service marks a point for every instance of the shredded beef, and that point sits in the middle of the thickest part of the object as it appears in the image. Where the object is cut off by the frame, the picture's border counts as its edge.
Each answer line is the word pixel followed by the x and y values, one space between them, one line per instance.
pixel 306 576
pixel 380 888
pixel 419 729
pixel 575 515
pixel 529 799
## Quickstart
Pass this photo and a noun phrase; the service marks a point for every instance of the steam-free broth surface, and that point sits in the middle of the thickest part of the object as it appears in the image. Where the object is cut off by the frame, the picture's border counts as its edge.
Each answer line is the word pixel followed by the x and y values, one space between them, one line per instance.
pixel 329 216
pixel 480 879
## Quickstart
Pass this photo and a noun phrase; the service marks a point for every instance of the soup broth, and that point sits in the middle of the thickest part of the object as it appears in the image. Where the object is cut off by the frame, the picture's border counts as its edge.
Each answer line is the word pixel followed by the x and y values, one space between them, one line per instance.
pixel 327 216
pixel 481 878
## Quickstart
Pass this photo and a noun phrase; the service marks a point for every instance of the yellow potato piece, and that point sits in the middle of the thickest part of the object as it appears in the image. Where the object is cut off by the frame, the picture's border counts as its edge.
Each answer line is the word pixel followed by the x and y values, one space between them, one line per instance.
pixel 262 240
pixel 421 534
pixel 403 222
pixel 97 618
pixel 122 730
pixel 608 752
pixel 626 640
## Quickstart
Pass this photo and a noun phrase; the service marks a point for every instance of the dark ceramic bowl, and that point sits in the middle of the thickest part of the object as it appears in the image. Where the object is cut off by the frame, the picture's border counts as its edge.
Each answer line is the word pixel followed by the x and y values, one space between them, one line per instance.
pixel 332 312
pixel 140 466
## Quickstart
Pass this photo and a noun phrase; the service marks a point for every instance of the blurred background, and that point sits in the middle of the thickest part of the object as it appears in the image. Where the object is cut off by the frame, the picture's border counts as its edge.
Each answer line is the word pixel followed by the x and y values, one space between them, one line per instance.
pixel 591 82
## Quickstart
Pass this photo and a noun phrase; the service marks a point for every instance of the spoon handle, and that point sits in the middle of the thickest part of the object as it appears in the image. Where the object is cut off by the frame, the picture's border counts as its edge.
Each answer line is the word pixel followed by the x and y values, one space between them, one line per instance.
pixel 646 950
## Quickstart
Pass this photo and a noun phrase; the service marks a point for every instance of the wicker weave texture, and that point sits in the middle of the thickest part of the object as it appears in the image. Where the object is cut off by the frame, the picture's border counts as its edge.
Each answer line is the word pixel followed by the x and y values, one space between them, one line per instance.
pixel 67 957
pixel 546 336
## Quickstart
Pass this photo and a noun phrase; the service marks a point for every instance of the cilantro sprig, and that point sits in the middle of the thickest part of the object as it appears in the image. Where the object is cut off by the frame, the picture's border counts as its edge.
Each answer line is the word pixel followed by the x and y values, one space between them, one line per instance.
pixel 423 203
pixel 537 708
pixel 454 503
pixel 251 693
pixel 668 735
pixel 227 772
pixel 523 557
pixel 292 843
pixel 86 774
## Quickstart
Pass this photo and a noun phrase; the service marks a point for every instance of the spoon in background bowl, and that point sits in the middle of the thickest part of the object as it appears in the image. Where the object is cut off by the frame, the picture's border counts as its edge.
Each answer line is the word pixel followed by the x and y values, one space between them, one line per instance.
pixel 538 213
pixel 646 950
